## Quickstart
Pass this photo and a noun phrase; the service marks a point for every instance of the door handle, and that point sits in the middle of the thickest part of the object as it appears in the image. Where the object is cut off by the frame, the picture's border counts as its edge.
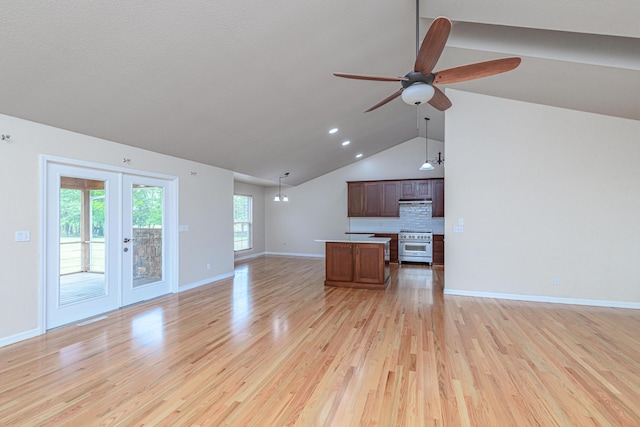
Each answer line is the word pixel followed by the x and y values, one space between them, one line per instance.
pixel 126 240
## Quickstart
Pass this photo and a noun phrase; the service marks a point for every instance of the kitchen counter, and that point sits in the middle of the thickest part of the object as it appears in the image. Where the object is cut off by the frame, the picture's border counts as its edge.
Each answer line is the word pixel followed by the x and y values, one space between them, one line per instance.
pixel 357 238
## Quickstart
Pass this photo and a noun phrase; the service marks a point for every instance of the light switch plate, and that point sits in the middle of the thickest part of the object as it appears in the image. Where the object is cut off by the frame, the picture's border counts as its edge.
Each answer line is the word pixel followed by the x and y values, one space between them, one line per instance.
pixel 23 236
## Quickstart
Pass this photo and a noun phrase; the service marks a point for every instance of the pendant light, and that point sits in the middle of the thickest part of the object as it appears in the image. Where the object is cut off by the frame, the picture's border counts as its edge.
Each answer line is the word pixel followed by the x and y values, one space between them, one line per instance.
pixel 281 197
pixel 426 166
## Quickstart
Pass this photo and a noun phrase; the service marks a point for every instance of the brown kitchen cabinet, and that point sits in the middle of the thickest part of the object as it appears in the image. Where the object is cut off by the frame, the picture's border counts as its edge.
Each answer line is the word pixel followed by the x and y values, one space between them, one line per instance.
pixel 438 249
pixel 437 208
pixel 373 199
pixel 338 270
pixel 355 199
pixel 356 265
pixel 390 196
pixel 380 198
pixel 416 189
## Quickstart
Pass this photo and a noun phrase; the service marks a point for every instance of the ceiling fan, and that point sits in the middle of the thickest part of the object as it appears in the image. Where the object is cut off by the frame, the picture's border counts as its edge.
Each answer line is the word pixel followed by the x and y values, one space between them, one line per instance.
pixel 419 85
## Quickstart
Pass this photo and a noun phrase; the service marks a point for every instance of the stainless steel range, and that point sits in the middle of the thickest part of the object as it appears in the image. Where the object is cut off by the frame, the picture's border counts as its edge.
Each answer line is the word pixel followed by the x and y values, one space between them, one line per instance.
pixel 415 246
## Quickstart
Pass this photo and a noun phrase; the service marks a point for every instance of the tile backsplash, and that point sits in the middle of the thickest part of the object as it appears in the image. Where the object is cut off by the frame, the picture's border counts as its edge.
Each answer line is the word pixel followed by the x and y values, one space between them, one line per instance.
pixel 412 217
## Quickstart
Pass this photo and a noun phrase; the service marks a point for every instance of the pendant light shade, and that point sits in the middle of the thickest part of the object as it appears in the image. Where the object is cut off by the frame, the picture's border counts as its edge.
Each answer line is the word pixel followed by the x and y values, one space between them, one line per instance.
pixel 428 164
pixel 417 93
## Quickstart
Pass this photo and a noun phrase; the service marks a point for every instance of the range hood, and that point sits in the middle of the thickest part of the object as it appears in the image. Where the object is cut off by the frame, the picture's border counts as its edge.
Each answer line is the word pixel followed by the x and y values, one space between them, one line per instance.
pixel 415 201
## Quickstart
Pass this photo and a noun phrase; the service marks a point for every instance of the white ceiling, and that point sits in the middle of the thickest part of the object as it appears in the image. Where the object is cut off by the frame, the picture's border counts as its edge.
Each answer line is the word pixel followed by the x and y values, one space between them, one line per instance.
pixel 248 86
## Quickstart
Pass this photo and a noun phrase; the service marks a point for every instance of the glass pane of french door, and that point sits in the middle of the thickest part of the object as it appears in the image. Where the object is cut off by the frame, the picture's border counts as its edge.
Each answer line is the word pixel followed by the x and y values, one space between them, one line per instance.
pixel 145 232
pixel 82 240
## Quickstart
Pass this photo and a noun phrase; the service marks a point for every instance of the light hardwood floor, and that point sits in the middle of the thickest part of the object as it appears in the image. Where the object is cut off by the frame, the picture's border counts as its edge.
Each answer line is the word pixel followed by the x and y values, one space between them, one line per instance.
pixel 274 347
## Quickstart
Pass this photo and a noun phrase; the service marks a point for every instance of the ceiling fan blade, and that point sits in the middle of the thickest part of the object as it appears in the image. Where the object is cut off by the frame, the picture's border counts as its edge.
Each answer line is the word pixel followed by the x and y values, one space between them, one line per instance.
pixel 433 45
pixel 439 101
pixel 387 99
pixel 476 71
pixel 366 77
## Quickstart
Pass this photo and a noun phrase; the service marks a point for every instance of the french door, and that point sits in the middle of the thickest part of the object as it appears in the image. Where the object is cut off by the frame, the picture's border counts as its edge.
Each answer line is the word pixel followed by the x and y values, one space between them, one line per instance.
pixel 106 241
pixel 145 215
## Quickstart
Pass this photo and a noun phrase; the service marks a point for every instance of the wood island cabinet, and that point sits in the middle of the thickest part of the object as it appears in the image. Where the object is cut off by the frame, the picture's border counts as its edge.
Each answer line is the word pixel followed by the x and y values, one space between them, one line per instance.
pixel 356 265
pixel 337 269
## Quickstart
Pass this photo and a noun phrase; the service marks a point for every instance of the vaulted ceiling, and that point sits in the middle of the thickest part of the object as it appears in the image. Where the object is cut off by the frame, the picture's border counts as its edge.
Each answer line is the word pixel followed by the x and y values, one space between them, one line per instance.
pixel 248 86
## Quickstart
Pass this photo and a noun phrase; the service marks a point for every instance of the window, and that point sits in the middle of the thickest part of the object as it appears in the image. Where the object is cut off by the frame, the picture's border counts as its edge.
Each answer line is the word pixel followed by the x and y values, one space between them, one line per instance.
pixel 242 216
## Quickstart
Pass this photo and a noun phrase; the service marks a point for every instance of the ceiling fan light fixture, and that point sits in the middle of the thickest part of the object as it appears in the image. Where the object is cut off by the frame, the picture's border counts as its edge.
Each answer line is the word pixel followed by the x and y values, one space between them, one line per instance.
pixel 418 93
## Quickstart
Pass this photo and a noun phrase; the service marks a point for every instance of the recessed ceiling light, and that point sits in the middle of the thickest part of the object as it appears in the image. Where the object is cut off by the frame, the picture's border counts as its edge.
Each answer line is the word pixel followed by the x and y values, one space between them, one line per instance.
pixel 346 142
pixel 358 155
pixel 334 130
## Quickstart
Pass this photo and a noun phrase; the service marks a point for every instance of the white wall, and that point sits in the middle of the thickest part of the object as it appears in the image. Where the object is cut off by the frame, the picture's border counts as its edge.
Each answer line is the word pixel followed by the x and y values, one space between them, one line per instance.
pixel 317 209
pixel 205 205
pixel 544 193
pixel 257 194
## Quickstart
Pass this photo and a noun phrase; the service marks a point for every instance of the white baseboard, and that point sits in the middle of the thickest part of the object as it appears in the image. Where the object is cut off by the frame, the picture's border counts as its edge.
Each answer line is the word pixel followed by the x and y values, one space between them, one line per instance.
pixel 205 281
pixel 256 255
pixel 20 337
pixel 295 254
pixel 539 298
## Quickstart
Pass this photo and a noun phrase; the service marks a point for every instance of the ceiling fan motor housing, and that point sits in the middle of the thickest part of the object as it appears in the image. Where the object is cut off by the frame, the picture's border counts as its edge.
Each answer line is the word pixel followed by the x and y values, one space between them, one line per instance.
pixel 417 77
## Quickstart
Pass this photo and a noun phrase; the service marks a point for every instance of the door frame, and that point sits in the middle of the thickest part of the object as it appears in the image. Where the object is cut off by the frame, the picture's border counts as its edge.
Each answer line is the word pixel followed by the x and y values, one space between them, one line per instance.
pixel 172 249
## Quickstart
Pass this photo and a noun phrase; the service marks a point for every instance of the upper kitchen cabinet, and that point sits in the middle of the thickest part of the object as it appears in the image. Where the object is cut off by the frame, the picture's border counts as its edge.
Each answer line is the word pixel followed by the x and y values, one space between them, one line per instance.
pixel 373 199
pixel 380 198
pixel 355 199
pixel 416 189
pixel 390 196
pixel 438 198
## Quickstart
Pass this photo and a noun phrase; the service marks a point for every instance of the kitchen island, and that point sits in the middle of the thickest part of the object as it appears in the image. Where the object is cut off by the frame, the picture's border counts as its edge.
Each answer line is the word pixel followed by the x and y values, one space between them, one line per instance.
pixel 358 261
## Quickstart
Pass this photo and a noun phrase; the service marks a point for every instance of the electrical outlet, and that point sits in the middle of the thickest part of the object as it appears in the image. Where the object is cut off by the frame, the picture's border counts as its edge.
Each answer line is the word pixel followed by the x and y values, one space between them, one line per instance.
pixel 208 266
pixel 556 281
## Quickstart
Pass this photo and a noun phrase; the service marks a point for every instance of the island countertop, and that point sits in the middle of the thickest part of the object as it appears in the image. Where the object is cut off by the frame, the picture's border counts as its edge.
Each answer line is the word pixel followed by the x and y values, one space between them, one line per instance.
pixel 356 238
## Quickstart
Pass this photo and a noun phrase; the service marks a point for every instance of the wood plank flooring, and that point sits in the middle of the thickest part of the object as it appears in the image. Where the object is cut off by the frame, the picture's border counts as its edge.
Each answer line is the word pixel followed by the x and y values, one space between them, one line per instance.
pixel 273 347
